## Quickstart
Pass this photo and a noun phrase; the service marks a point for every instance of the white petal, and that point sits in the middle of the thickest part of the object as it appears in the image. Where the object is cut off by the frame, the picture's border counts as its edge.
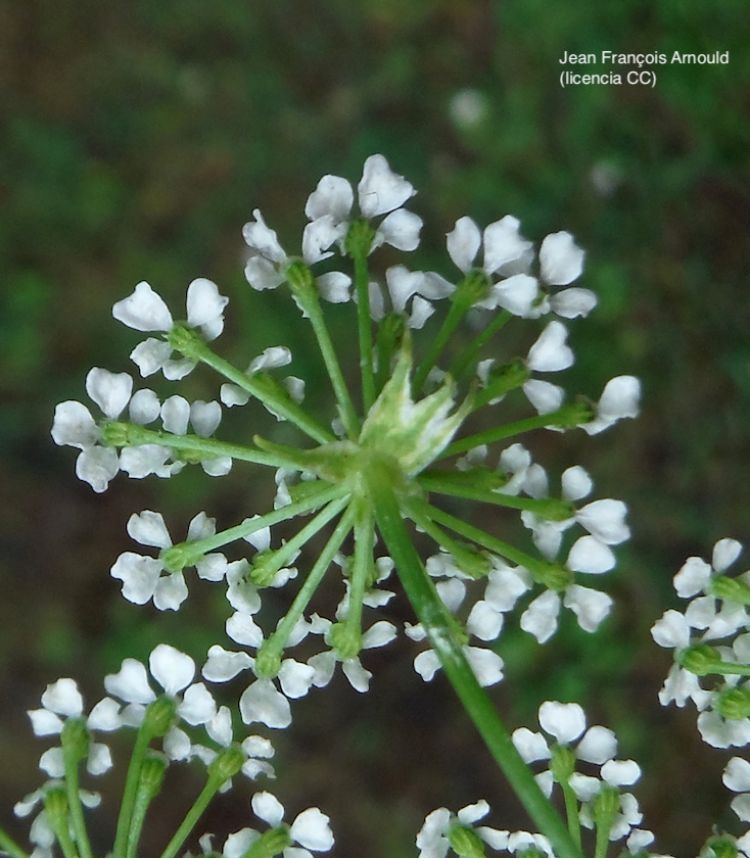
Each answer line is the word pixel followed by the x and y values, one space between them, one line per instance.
pixel 550 353
pixel 605 519
pixel 503 243
pixel 544 396
pixel 170 592
pixel 139 576
pixel 737 775
pixel 381 190
pixel 271 358
pixel 311 830
pixel 334 287
pixel 318 237
pixel 597 745
pixel 105 715
pixel 295 678
pixel 198 705
pixel 144 460
pixel 487 665
pixel 150 356
pixel 100 759
pixel 402 284
pixel 726 551
pixel 540 618
pixel 463 243
pixel 531 746
pixel 223 665
pixel 175 414
pixel 572 303
pixel 144 407
pixel 692 578
pixel 427 664
pixel 204 304
pixel 452 593
pixel 172 669
pixel 149 528
pixel 672 630
pixel 262 702
pixel 564 721
pixel 473 812
pixel 379 634
pixel 268 808
pixel 205 417
pixel 262 239
pixel 144 310
pixel 232 395
pixel 74 426
pixel 333 196
pixel 262 274
pixel 576 483
pixel 177 744
pixel 400 229
pixel 44 722
pixel 130 683
pixel 484 621
pixel 243 629
pixel 52 763
pixel 358 677
pixel 561 259
pixel 621 772
pixel 589 606
pixel 63 698
pixel 110 390
pixel 590 556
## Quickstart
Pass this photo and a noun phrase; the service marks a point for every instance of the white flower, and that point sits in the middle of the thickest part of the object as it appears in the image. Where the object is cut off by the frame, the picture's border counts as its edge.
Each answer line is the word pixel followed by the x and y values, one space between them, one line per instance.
pixel 63 700
pixel 174 672
pixel 145 310
pixel 433 839
pixel 309 829
pixel 257 749
pixel 41 833
pixel 74 426
pixel 141 576
pixel 674 631
pixel 324 663
pixel 411 293
pixel 380 192
pixel 696 575
pixel 561 262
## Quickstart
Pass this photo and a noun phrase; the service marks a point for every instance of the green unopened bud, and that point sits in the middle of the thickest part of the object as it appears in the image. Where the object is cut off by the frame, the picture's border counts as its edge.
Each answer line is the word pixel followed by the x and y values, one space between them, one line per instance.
pixel 576 414
pixel 345 639
pixel 505 378
pixel 554 510
pixel 359 238
pixel 267 661
pixel 227 764
pixel 391 329
pixel 466 842
pixel 187 341
pixel 699 659
pixel 734 704
pixel 474 287
pixel 114 433
pixel 264 568
pixel 56 805
pixel 160 716
pixel 553 576
pixel 606 806
pixel 152 773
pixel 75 740
pixel 730 589
pixel 563 764
pixel 719 847
pixel 302 283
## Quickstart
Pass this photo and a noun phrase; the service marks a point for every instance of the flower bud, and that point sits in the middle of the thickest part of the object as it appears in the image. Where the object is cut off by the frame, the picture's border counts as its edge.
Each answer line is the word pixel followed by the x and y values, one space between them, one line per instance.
pixel 56 805
pixel 734 704
pixel 563 764
pixel 75 739
pixel 160 716
pixel 358 241
pixel 267 661
pixel 473 288
pixel 227 764
pixel 730 589
pixel 465 842
pixel 152 773
pixel 606 806
pixel 700 659
pixel 345 640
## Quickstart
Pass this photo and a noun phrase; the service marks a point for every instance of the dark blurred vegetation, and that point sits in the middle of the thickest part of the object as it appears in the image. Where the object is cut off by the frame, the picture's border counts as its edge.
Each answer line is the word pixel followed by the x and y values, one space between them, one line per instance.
pixel 137 138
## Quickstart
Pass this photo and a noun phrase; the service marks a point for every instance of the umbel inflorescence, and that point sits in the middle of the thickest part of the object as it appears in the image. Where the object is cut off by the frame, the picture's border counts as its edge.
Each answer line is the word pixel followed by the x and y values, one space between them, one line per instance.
pixel 405 432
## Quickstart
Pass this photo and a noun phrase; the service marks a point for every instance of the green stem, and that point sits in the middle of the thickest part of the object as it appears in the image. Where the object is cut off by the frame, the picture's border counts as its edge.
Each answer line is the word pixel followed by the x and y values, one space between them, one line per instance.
pixel 288 409
pixel 199 547
pixel 142 739
pixel 602 840
pixel 276 560
pixel 277 641
pixel 9 845
pixel 191 818
pixel 456 313
pixel 364 539
pixel 566 417
pixel 571 811
pixel 550 508
pixel 143 799
pixel 727 667
pixel 491 543
pixel 75 808
pixel 364 327
pixel 129 434
pixel 469 355
pixel 436 620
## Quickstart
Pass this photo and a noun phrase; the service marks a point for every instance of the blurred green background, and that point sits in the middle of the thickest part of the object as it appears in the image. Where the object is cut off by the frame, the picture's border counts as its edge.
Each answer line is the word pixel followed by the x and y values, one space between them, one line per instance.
pixel 137 139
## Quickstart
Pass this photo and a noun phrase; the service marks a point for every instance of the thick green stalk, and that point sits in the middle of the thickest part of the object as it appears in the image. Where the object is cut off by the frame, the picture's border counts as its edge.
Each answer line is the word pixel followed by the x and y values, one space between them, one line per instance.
pixel 142 739
pixel 75 808
pixel 436 620
pixel 9 845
